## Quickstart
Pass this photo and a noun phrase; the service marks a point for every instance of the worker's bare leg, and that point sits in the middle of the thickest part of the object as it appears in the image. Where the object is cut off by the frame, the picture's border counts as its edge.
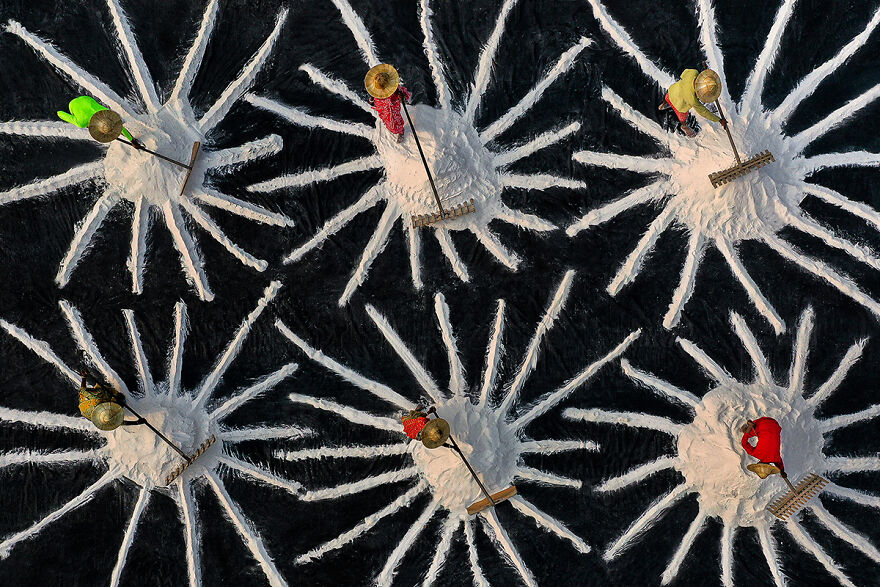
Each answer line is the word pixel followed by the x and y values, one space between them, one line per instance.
pixel 688 130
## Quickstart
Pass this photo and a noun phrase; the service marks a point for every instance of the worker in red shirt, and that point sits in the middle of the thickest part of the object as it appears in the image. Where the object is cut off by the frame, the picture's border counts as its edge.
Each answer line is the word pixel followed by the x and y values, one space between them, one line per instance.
pixel 383 84
pixel 767 449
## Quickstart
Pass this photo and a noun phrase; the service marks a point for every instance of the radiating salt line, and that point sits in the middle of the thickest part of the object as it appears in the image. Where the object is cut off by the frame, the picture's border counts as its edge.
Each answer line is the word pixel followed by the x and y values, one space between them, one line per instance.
pixel 687 282
pixel 375 388
pixel 41 349
pixel 9 543
pixel 82 238
pixel 552 399
pixel 135 59
pixel 450 525
pixel 372 250
pixel 248 533
pixel 845 420
pixel 208 224
pixel 457 383
pixel 853 464
pixel 44 129
pixel 544 520
pixel 140 228
pixel 619 35
pixel 811 546
pixel 241 208
pixel 636 119
pixel 264 384
pixel 234 347
pixel 523 220
pixel 27 457
pixel 853 495
pixel 261 474
pixel 849 159
pixel 845 533
pixel 544 477
pixel 344 452
pixel 364 526
pixel 49 420
pixel 863 211
pixel 638 474
pixel 306 120
pixel 632 419
pixel 811 81
pixel 684 547
pixel 264 433
pixel 64 65
pixel 645 521
pixel 768 546
pixel 821 270
pixel 540 142
pixel 727 532
pixel 435 63
pixel 414 240
pixel 193 60
pixel 317 175
pixel 713 369
pixel 175 357
pixel 145 380
pixel 413 364
pixel 188 515
pixel 251 151
pixel 664 388
pixel 612 209
pixel 762 368
pixel 358 31
pixel 190 258
pixel 539 181
pixel 386 577
pixel 449 251
pixel 640 164
pixel 53 184
pixel 479 579
pixel 244 80
pixel 336 86
pixel 347 489
pixel 493 355
pixel 128 538
pixel 350 414
pixel 87 344
pixel 490 522
pixel 709 42
pixel 549 447
pixel 852 356
pixel 566 61
pixel 801 140
pixel 751 98
pixel 530 358
pixel 632 266
pixel 335 224
pixel 807 225
pixel 798 372
pixel 487 59
pixel 739 271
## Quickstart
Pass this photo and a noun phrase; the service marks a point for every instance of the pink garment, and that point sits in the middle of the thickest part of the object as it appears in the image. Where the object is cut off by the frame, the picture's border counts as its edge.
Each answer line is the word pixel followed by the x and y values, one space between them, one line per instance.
pixel 389 109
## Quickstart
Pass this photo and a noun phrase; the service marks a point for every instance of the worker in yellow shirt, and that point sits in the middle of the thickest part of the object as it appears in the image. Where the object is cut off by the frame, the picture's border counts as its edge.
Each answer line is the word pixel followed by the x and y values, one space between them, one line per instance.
pixel 691 91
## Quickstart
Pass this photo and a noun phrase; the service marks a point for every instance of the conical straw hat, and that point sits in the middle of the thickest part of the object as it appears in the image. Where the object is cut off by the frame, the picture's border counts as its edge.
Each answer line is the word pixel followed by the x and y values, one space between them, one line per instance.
pixel 763 470
pixel 382 81
pixel 708 86
pixel 105 126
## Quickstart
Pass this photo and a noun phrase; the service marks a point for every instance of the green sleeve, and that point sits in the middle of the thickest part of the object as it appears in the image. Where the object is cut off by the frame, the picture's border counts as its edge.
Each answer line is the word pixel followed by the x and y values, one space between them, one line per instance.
pixel 705 112
pixel 127 134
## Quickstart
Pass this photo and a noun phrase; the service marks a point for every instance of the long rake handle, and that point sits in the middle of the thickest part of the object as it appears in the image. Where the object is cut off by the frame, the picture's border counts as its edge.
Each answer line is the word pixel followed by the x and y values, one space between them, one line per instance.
pixel 159 434
pixel 471 469
pixel 424 162
pixel 790 486
pixel 159 155
pixel 727 130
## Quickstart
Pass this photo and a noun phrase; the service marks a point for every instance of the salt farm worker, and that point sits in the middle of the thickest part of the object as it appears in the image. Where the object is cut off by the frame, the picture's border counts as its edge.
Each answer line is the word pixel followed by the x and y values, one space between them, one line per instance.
pixel 102 406
pixel 383 84
pixel 691 91
pixel 81 111
pixel 414 422
pixel 768 448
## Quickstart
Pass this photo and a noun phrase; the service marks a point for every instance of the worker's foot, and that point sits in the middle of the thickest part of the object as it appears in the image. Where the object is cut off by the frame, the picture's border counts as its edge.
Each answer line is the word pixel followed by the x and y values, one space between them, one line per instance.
pixel 400 138
pixel 688 131
pixel 663 106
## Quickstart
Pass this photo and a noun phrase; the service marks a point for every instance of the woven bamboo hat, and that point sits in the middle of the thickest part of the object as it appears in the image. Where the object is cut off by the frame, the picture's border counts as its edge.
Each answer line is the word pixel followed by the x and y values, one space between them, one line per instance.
pixel 763 470
pixel 382 81
pixel 105 126
pixel 708 86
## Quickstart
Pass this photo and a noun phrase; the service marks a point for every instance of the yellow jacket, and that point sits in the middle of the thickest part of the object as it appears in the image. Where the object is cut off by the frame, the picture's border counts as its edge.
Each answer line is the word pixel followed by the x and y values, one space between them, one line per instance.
pixel 684 97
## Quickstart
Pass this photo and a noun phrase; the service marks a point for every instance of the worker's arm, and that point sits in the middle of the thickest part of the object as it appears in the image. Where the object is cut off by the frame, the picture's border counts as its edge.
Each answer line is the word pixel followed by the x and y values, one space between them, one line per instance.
pixel 705 112
pixel 127 134
pixel 745 442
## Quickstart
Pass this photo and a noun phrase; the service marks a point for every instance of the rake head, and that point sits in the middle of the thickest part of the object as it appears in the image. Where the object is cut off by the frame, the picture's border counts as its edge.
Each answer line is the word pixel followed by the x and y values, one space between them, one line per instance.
pixel 182 467
pixel 484 503
pixel 790 502
pixel 419 220
pixel 720 178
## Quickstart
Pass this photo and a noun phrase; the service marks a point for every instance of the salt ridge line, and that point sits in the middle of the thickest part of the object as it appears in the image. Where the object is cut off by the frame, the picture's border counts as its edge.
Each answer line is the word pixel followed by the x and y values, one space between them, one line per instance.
pixel 145 379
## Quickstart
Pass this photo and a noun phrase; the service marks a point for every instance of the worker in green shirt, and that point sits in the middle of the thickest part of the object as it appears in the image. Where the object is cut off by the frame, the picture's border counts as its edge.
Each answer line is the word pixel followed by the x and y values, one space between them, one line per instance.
pixel 691 91
pixel 81 111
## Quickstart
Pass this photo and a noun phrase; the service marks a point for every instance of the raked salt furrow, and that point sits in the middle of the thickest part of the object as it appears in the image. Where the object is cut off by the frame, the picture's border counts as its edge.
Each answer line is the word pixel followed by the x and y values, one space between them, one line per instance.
pixel 727 532
pixel 852 356
pixel 145 379
pixel 306 120
pixel 638 120
pixel 270 145
pixel 487 60
pixel 190 257
pixel 49 420
pixel 807 225
pixel 26 457
pixel 853 495
pixel 836 118
pixel 87 344
pixel 186 502
pixel 493 355
pixel 386 576
pixel 243 468
pixel 549 447
pixel 539 181
pixel 633 263
pixel 687 280
pixel 614 208
pixel 645 521
pixel 750 343
pixel 366 484
pixel 375 246
pixel 457 384
pixel 192 63
pixel 834 198
pixel 523 220
pixel 44 129
pixel 618 161
pixel 234 435
pixel 709 43
pixel 848 159
pixel 493 525
pixel 209 226
pixel 853 464
pixel 43 187
pixel 444 238
pixel 414 240
pixel 751 98
pixel 343 452
pixel 450 526
pixel 140 228
pixel 632 419
pixel 684 548
pixel 553 525
pixel 175 357
pixel 41 349
pixel 82 237
pixel 768 546
pixel 798 373
pixel 657 385
pixel 358 31
pixel 264 384
pixel 138 67
pixel 542 477
pixel 336 86
pixel 435 64
pixel 638 474
pixel 739 271
pixel 128 538
pixel 350 414
pixel 317 175
pixel 479 579
pixel 543 141
pixel 710 367
pixel 809 544
pixel 858 541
